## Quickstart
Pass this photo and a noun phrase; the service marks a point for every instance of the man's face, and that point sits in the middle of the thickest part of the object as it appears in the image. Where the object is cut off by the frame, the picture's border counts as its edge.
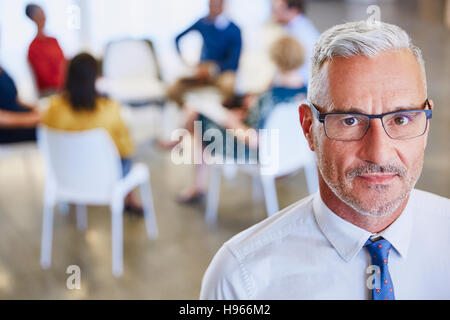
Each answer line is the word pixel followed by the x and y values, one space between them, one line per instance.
pixel 215 7
pixel 375 174
pixel 280 11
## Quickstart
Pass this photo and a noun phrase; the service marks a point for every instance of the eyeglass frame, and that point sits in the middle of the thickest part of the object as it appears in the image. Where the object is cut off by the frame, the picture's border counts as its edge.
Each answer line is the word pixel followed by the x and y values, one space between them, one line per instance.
pixel 321 117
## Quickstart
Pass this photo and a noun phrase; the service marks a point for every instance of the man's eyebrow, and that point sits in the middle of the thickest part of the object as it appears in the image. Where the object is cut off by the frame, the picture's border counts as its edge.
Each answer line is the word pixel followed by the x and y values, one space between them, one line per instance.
pixel 394 109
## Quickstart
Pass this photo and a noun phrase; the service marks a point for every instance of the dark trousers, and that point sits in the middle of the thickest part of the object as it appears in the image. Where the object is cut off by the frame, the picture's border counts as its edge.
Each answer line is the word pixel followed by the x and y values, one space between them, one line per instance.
pixel 127 163
pixel 17 135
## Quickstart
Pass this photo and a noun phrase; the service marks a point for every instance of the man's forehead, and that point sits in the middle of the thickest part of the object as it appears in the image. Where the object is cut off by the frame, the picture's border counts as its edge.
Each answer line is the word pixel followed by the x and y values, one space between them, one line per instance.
pixel 389 81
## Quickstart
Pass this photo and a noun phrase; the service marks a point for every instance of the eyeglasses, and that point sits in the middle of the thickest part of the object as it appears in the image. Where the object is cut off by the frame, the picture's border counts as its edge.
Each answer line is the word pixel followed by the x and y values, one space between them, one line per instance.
pixel 399 125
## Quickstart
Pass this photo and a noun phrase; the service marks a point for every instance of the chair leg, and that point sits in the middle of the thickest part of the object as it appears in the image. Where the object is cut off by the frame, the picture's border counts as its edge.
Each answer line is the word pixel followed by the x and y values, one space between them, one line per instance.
pixel 117 236
pixel 149 210
pixel 47 236
pixel 257 191
pixel 270 194
pixel 212 200
pixel 81 217
pixel 63 208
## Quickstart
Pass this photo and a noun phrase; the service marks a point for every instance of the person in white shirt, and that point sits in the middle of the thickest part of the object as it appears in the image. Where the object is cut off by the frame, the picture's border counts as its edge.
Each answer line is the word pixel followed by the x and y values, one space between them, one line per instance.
pixel 367 233
pixel 291 14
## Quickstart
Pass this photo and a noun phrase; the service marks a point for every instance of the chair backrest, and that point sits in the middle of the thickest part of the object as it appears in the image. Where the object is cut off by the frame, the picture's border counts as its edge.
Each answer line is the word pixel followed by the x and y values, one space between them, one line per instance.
pixel 83 167
pixel 131 59
pixel 285 149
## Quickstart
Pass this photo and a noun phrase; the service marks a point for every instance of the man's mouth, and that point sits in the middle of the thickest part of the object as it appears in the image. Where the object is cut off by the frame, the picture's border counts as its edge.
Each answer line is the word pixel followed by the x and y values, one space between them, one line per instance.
pixel 378 178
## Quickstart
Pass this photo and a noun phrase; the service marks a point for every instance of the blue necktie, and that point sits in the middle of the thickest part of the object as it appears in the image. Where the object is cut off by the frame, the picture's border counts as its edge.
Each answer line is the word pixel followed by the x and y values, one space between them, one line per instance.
pixel 379 252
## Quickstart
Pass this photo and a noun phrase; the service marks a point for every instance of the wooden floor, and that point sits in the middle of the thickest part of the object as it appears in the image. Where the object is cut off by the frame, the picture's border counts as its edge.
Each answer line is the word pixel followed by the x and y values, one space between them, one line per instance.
pixel 172 266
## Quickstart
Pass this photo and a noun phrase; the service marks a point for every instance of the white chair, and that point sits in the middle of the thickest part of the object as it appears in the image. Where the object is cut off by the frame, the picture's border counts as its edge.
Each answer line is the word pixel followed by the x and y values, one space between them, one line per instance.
pixel 283 152
pixel 84 168
pixel 131 73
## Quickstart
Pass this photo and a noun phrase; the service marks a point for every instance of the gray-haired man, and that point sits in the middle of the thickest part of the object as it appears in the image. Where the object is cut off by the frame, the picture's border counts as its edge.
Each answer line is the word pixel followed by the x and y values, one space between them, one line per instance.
pixel 367 234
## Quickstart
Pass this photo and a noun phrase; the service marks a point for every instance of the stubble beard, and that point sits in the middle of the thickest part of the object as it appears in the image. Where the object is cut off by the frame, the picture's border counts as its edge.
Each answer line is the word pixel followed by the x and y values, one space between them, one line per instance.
pixel 377 202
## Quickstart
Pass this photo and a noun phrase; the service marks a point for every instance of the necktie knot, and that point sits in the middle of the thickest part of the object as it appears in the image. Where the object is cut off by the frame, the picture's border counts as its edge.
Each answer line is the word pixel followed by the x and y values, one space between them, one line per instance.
pixel 379 250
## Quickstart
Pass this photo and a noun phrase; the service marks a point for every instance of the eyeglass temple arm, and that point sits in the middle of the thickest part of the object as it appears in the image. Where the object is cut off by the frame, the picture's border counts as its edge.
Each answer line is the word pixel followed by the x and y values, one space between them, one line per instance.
pixel 316 112
pixel 429 112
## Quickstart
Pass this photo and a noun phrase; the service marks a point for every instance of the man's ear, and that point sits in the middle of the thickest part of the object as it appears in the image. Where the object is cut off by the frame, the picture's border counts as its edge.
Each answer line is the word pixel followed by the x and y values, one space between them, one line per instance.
pixel 431 108
pixel 306 122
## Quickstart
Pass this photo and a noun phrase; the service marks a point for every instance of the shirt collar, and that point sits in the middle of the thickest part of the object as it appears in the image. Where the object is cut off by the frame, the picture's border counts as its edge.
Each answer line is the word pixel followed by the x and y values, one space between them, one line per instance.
pixel 221 22
pixel 348 239
pixel 400 231
pixel 295 21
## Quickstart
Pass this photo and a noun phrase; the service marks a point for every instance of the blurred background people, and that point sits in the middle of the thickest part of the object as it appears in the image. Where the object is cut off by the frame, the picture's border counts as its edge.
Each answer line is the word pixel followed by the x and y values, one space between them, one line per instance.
pixel 172 267
pixel 79 107
pixel 250 112
pixel 45 56
pixel 288 85
pixel 291 14
pixel 220 54
pixel 18 120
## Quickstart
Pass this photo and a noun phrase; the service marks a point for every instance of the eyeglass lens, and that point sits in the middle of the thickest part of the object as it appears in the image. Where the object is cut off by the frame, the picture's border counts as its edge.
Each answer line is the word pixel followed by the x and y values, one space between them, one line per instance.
pixel 398 125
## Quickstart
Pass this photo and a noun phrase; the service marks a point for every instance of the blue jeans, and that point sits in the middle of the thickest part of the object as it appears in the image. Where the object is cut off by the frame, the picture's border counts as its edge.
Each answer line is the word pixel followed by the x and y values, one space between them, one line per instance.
pixel 127 163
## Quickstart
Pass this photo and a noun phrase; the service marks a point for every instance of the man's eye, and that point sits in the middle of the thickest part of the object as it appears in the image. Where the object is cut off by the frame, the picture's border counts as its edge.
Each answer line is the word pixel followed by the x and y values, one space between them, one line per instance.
pixel 401 120
pixel 350 122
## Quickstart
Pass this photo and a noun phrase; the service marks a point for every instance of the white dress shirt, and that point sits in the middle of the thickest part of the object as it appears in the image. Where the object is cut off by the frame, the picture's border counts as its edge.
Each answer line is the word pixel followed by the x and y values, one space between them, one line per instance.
pixel 304 31
pixel 308 252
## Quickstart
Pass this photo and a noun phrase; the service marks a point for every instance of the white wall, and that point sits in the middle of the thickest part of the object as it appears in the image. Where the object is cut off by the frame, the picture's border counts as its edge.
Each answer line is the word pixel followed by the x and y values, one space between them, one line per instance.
pixel 106 20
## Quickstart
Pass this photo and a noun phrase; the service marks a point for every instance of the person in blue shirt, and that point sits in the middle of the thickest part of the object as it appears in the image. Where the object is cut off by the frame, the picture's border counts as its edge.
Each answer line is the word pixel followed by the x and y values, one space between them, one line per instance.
pixel 18 121
pixel 291 15
pixel 219 60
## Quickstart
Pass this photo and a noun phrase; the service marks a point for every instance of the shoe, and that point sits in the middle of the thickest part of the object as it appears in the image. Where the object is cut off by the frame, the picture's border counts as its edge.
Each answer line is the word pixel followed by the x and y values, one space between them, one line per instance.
pixel 192 199
pixel 133 210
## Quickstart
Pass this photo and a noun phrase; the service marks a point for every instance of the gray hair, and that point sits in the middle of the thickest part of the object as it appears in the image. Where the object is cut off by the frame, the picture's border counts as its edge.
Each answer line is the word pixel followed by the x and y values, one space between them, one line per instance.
pixel 351 39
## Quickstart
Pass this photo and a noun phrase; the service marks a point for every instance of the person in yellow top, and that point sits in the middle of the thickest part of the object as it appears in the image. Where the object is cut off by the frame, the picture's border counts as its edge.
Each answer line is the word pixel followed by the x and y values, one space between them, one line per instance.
pixel 79 107
pixel 62 115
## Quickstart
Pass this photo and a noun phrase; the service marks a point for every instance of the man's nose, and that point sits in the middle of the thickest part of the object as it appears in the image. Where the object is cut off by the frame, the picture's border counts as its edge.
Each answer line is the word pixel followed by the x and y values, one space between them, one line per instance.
pixel 377 147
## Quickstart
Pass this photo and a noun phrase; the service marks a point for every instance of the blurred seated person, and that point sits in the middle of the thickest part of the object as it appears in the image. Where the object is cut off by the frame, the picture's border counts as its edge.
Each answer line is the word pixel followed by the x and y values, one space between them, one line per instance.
pixel 18 121
pixel 45 55
pixel 288 85
pixel 79 107
pixel 247 111
pixel 292 15
pixel 219 57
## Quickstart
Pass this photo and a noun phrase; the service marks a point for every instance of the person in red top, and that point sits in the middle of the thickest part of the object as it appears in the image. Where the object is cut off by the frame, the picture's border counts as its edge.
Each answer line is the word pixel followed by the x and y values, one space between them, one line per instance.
pixel 45 55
